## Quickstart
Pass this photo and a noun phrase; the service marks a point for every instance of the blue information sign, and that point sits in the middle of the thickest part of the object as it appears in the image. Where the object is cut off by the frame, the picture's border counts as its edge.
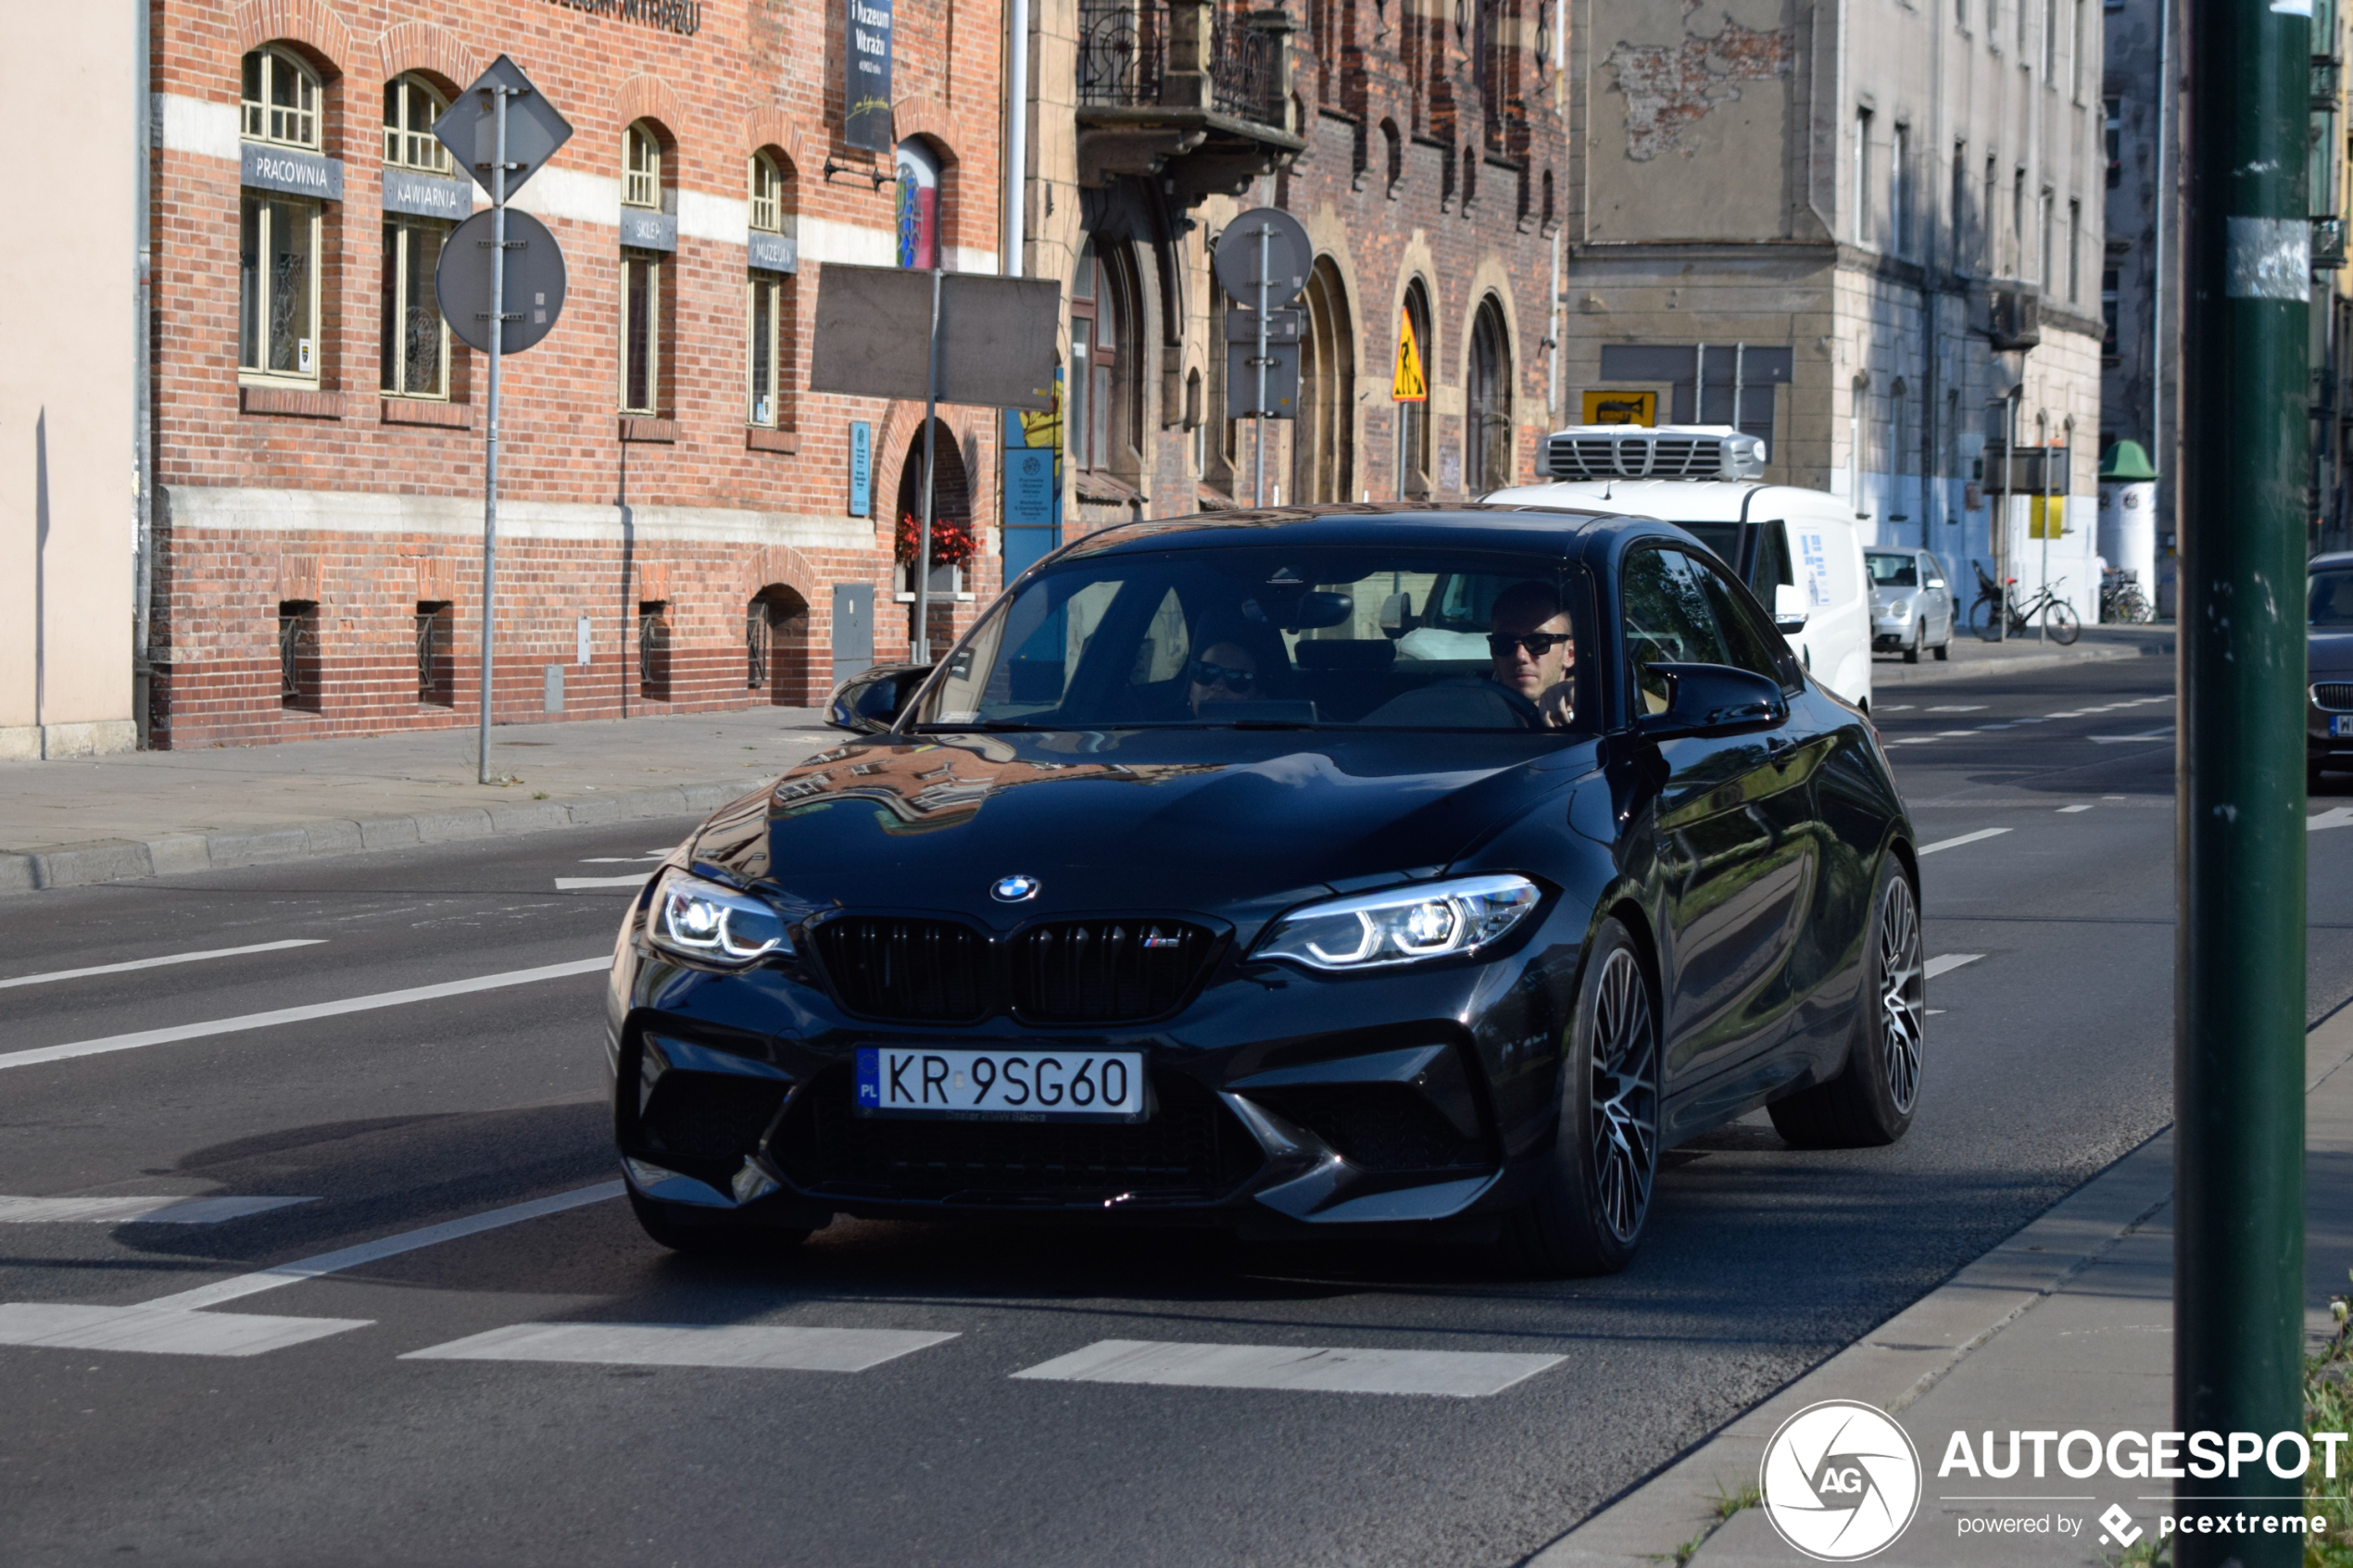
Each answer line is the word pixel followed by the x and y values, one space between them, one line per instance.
pixel 862 469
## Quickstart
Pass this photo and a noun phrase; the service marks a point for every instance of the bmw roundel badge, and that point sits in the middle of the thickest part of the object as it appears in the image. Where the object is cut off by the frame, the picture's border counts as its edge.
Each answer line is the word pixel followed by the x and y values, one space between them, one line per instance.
pixel 1013 889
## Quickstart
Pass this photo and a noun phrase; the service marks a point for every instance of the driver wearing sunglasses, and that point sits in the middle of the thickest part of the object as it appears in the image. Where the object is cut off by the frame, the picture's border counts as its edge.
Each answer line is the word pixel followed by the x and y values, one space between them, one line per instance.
pixel 1533 649
pixel 1224 672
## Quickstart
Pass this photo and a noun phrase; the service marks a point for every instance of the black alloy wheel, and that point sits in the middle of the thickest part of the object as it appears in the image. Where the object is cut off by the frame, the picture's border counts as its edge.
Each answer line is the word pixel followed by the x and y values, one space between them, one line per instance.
pixel 1871 1101
pixel 1594 1193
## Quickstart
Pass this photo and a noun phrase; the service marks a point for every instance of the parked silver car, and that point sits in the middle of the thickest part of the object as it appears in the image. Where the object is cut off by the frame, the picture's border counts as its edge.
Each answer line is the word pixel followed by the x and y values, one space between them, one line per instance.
pixel 1911 604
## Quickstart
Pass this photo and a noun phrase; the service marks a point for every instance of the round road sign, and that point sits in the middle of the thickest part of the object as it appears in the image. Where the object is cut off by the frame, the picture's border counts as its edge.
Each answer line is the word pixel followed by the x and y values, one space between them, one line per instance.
pixel 535 282
pixel 1288 251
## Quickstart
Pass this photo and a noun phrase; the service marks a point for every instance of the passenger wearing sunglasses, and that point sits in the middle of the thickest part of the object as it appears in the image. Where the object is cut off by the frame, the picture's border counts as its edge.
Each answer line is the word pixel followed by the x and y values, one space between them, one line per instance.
pixel 1533 649
pixel 1225 673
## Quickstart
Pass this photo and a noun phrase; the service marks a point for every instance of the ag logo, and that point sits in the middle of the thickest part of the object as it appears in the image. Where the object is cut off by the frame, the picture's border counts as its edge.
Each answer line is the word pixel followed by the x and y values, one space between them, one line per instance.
pixel 1840 1480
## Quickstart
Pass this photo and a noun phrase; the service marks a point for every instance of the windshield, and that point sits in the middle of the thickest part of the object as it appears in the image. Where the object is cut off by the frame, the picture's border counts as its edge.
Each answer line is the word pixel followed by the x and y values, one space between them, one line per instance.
pixel 1892 571
pixel 1724 538
pixel 2330 602
pixel 1254 636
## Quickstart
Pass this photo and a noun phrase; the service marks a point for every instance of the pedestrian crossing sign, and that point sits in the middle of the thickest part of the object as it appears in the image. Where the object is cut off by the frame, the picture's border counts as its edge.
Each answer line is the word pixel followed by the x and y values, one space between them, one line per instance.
pixel 1409 385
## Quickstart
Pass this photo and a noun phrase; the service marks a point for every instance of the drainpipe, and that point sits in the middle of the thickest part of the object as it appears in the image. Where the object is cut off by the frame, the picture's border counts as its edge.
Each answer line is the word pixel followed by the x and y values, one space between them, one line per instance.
pixel 1017 134
pixel 142 455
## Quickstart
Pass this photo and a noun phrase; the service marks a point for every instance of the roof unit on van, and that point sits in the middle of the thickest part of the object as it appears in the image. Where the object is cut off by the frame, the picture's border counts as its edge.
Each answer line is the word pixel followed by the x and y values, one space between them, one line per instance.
pixel 1666 452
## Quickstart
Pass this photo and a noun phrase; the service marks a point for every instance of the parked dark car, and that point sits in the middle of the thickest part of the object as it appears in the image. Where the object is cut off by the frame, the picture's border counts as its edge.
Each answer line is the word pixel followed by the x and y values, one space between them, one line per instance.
pixel 2328 695
pixel 1337 871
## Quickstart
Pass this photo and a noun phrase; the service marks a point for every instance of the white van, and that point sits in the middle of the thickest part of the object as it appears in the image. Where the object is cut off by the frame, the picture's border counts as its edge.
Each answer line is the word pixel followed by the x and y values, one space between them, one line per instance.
pixel 1797 549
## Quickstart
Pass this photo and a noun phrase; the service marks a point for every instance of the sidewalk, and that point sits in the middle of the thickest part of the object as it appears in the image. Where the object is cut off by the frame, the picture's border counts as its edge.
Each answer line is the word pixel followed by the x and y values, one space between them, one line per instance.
pixel 2067 1325
pixel 1972 658
pixel 154 812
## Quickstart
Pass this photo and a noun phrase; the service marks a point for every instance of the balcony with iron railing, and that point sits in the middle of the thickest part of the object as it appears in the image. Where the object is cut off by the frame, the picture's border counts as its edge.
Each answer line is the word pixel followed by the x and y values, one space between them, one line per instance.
pixel 1189 88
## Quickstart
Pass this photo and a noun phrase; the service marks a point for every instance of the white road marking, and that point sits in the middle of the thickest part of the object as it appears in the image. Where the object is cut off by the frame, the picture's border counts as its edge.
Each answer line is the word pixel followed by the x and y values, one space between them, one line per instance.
pixel 1961 707
pixel 123 1210
pixel 1933 1011
pixel 1913 740
pixel 299 1015
pixel 1945 963
pixel 2070 811
pixel 1897 707
pixel 158 963
pixel 2334 817
pixel 64 1327
pixel 575 883
pixel 2070 713
pixel 779 1348
pixel 2164 734
pixel 1466 1374
pixel 389 1246
pixel 1965 838
pixel 1950 732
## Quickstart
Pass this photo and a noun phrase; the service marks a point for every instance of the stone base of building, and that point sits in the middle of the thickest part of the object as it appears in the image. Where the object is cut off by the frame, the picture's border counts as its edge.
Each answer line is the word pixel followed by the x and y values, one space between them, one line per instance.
pixel 96 737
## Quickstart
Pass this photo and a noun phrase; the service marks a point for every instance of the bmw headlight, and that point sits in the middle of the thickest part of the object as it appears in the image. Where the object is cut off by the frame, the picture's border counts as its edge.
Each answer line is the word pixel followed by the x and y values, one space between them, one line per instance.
pixel 1432 920
pixel 703 921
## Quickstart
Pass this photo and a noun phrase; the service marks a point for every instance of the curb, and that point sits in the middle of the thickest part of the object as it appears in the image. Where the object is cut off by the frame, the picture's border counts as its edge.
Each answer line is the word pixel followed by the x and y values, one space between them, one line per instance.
pixel 121 859
pixel 1899 674
pixel 1903 1357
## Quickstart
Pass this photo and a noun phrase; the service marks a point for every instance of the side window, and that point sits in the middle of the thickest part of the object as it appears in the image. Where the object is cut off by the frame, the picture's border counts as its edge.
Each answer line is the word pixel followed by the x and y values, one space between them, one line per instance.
pixel 1667 621
pixel 1167 644
pixel 1747 644
pixel 1772 561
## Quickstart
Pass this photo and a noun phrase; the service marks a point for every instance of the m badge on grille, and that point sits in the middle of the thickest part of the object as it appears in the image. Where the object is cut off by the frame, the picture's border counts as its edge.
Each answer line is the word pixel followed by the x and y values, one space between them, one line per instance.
pixel 1013 889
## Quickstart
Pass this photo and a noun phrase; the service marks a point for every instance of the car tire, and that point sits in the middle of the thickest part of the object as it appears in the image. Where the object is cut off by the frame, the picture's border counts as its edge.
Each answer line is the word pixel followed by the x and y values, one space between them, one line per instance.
pixel 1593 1192
pixel 711 1233
pixel 1919 636
pixel 1871 1100
pixel 2314 781
pixel 1945 648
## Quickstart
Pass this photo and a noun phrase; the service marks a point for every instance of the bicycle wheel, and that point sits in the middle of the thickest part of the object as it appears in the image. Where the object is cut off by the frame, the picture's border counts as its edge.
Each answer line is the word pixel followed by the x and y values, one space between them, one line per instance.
pixel 2065 625
pixel 1980 619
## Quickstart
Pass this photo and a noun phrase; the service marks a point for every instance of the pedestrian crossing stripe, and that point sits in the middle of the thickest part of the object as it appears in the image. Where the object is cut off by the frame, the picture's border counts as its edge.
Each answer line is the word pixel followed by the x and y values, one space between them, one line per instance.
pixel 1409 384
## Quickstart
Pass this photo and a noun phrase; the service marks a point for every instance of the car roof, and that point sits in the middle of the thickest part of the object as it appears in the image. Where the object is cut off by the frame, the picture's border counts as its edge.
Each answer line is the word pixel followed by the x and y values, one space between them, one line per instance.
pixel 2334 557
pixel 1469 525
pixel 1674 500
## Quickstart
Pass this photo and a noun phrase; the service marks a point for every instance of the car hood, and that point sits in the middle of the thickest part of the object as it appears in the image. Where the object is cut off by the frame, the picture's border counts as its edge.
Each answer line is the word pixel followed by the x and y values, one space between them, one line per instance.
pixel 2328 653
pixel 1186 819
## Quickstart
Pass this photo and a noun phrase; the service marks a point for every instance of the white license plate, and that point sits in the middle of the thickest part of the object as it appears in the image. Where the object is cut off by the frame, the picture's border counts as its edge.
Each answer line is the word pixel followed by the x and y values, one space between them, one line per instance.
pixel 2340 725
pixel 1022 1085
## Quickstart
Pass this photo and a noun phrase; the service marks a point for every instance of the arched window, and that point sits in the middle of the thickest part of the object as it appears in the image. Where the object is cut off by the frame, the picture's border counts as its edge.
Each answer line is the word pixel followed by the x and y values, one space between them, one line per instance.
pixel 1106 360
pixel 644 286
pixel 768 319
pixel 1413 416
pixel 411 105
pixel 278 235
pixel 412 340
pixel 1324 440
pixel 918 204
pixel 280 99
pixel 1488 427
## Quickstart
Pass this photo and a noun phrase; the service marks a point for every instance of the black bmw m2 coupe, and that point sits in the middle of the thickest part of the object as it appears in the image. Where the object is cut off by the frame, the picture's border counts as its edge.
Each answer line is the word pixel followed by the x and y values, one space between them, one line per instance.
pixel 1352 870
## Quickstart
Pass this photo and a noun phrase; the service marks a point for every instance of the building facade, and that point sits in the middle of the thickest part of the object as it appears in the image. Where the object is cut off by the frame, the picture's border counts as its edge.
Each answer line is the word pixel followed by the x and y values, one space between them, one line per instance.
pixel 2142 81
pixel 69 472
pixel 684 525
pixel 1867 230
pixel 1420 148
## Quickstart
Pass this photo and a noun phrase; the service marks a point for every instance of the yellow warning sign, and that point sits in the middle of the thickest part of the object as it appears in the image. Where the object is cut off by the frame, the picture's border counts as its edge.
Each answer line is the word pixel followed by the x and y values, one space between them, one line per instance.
pixel 1621 407
pixel 2047 518
pixel 1410 386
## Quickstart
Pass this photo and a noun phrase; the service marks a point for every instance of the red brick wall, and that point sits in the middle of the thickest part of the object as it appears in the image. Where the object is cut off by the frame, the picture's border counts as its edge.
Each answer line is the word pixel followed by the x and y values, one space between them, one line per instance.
pixel 759 73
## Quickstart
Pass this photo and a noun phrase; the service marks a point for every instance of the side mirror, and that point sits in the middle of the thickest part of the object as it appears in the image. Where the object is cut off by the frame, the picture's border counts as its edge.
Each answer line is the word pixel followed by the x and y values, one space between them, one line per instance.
pixel 1789 607
pixel 1713 699
pixel 1396 615
pixel 869 702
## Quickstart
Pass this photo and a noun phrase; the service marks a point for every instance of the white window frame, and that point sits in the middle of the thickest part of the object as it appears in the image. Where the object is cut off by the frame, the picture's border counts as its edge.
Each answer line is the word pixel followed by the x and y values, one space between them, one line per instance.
pixel 404 146
pixel 261 119
pixel 768 211
pixel 402 233
pixel 640 167
pixel 268 204
pixel 775 287
pixel 653 260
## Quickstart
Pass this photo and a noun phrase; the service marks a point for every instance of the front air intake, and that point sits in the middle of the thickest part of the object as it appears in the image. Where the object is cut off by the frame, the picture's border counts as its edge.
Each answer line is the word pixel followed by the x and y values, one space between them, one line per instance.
pixel 1669 451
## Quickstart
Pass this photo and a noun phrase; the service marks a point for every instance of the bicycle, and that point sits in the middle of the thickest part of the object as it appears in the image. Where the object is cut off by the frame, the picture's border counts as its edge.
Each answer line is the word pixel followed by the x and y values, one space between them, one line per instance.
pixel 2122 601
pixel 2058 617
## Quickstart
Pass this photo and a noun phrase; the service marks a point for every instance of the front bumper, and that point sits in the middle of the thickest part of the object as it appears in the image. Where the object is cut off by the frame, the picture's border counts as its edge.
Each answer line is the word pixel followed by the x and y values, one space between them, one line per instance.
pixel 1279 1102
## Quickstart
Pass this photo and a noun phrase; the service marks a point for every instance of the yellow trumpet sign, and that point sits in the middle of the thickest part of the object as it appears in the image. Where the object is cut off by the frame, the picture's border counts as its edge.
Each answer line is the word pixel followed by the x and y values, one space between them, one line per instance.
pixel 1621 407
pixel 1409 385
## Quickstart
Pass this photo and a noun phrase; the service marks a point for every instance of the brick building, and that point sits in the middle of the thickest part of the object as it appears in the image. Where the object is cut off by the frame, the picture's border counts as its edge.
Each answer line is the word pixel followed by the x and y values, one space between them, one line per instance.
pixel 677 523
pixel 1418 146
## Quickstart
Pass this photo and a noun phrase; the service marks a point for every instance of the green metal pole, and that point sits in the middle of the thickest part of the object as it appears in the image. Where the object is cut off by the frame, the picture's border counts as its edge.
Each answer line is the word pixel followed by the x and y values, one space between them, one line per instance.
pixel 2239 974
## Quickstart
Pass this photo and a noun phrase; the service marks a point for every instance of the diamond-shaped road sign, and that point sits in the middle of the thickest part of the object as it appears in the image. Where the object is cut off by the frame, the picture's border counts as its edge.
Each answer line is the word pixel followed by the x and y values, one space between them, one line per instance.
pixel 471 128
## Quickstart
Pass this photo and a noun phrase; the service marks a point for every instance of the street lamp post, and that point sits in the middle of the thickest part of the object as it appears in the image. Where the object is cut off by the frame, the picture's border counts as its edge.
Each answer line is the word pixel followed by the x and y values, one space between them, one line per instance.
pixel 2239 970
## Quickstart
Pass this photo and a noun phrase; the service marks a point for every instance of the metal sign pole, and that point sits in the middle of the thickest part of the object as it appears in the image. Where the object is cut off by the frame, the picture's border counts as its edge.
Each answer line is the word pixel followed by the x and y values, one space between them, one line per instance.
pixel 931 440
pixel 1265 265
pixel 490 421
